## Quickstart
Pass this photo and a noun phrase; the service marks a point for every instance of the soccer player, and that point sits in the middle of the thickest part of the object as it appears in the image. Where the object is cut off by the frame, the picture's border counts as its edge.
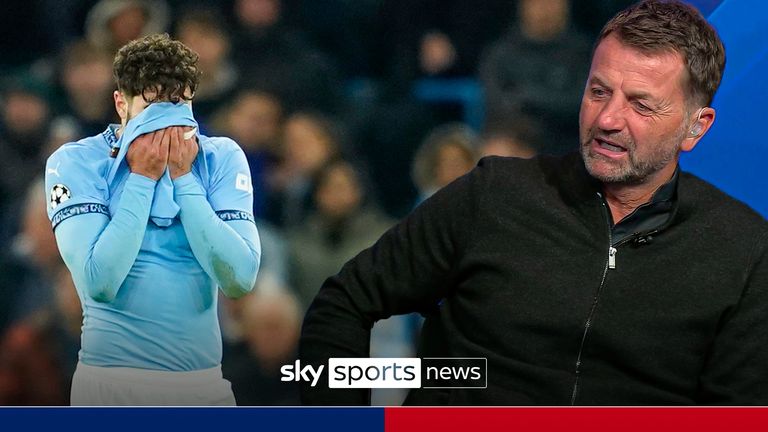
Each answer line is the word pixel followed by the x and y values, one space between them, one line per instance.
pixel 151 217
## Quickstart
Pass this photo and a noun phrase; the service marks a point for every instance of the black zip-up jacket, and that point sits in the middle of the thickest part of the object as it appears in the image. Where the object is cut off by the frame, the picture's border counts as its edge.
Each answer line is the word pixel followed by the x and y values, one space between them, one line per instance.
pixel 511 262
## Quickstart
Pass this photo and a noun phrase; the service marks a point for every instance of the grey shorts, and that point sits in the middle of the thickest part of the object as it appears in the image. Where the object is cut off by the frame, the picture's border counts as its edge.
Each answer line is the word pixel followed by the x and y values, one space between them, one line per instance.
pixel 106 386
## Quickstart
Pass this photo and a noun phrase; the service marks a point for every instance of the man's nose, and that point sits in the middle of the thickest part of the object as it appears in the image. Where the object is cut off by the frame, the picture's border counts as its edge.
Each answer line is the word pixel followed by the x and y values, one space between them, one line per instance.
pixel 612 116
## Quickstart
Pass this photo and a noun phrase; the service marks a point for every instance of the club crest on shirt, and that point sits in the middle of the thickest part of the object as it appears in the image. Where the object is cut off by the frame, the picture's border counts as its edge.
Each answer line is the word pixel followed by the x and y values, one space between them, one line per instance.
pixel 59 194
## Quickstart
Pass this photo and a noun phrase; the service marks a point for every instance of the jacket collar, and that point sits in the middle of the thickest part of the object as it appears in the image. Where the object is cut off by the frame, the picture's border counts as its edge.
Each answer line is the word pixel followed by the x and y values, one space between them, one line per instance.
pixel 651 217
pixel 647 220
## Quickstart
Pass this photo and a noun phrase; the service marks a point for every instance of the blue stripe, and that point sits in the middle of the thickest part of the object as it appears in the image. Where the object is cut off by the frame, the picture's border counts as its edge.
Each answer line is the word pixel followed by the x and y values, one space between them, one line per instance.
pixel 231 215
pixel 76 210
pixel 193 419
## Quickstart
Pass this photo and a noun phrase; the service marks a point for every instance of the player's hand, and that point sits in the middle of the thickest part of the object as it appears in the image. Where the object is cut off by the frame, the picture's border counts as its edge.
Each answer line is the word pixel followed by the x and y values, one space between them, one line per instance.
pixel 182 152
pixel 148 154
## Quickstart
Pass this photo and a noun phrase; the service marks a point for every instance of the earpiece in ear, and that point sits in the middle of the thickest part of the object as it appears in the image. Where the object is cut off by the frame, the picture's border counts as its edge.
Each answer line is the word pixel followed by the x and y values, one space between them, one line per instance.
pixel 696 130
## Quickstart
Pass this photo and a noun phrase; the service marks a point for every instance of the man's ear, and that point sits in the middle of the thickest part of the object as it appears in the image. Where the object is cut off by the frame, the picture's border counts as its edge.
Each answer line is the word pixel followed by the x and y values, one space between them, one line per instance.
pixel 121 105
pixel 705 117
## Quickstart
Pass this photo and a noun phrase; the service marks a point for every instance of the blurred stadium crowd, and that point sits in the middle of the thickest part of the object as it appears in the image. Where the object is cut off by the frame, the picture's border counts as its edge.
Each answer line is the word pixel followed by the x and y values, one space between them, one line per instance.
pixel 350 113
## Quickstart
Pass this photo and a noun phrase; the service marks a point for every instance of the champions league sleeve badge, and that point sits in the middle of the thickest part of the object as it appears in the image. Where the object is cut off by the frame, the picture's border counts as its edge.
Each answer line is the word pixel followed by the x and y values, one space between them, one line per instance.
pixel 59 194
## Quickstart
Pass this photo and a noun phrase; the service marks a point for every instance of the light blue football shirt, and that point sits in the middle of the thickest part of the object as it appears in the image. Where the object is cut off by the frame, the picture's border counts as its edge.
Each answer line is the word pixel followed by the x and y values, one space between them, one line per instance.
pixel 164 314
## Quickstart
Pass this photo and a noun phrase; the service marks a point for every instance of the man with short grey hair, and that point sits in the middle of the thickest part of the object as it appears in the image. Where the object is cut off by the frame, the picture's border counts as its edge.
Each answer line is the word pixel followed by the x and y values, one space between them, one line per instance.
pixel 604 277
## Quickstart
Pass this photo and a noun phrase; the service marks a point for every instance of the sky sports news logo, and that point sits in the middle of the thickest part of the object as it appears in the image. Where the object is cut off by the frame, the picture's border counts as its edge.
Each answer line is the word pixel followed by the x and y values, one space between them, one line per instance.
pixel 428 372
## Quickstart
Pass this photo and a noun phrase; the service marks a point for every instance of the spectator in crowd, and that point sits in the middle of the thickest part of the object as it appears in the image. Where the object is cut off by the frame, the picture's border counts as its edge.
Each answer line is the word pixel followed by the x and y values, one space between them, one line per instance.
pixel 499 144
pixel 438 38
pixel 204 32
pixel 39 353
pixel 24 127
pixel 279 59
pixel 255 120
pixel 387 134
pixel 64 129
pixel 514 137
pixel 87 85
pixel 345 31
pixel 344 222
pixel 548 83
pixel 111 24
pixel 449 152
pixel 309 141
pixel 34 255
pixel 28 265
pixel 413 40
pixel 270 322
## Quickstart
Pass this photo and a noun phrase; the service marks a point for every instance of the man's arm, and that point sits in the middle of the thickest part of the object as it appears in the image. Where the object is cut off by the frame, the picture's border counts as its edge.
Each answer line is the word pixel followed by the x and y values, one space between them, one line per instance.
pixel 409 269
pixel 100 251
pixel 736 370
pixel 229 252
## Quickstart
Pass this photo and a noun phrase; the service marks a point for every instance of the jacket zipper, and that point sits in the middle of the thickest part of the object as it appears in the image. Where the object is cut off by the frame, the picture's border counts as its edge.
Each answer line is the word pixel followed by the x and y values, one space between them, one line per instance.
pixel 612 251
pixel 609 263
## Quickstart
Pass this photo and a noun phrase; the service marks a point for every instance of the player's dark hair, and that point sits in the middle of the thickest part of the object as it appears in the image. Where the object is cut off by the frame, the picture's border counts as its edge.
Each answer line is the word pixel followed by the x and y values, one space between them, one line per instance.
pixel 158 68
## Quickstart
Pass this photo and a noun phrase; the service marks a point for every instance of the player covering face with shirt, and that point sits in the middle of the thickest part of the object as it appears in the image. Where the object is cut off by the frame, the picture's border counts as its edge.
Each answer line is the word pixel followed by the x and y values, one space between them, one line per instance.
pixel 152 218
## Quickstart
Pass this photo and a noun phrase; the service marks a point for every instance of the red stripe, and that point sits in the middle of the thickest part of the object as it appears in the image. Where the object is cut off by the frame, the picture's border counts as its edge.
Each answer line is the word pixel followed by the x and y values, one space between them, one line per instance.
pixel 575 419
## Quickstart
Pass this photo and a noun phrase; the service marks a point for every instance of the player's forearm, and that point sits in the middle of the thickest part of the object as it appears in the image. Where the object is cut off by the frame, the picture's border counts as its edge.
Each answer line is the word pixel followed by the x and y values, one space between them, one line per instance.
pixel 100 256
pixel 228 252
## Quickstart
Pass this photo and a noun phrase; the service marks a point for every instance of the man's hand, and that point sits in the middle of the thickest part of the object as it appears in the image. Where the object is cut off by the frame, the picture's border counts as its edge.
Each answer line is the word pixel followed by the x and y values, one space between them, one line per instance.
pixel 182 152
pixel 148 154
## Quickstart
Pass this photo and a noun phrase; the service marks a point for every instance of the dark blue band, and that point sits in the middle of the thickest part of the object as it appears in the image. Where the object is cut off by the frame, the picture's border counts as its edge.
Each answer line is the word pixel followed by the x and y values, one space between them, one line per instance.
pixel 232 215
pixel 78 209
pixel 109 135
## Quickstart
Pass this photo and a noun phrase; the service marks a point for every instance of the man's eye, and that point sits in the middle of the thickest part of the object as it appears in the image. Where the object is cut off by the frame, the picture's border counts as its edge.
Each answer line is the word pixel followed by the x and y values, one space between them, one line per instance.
pixel 598 92
pixel 642 108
